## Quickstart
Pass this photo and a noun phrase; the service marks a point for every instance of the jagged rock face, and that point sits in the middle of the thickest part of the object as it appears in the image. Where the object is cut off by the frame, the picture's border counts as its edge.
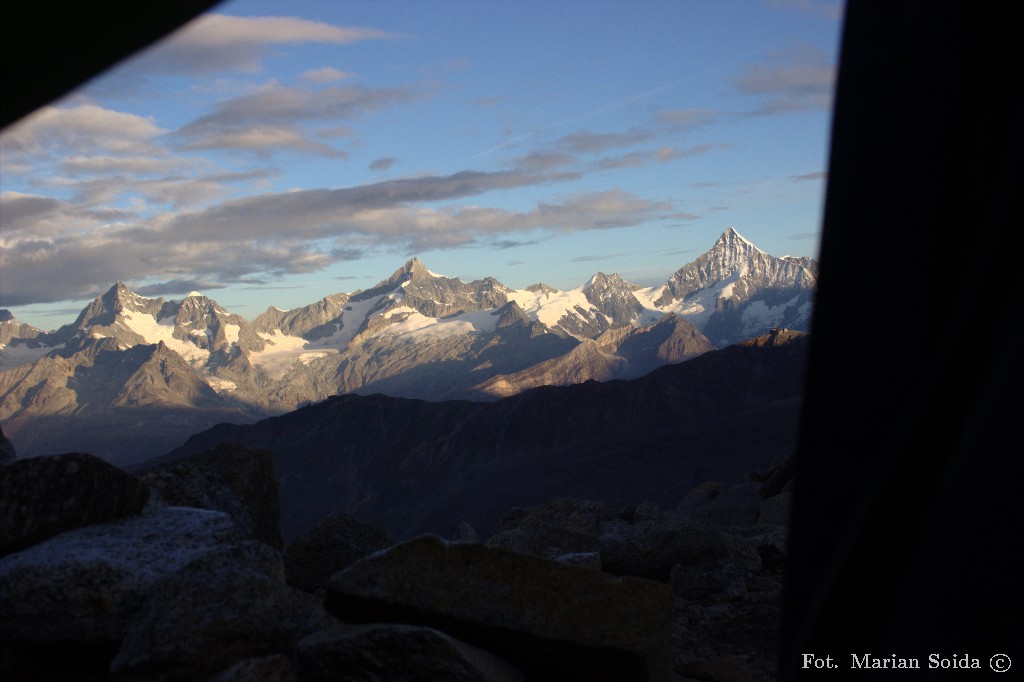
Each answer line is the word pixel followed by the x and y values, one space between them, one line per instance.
pixel 395 364
pixel 736 291
pixel 310 322
pixel 618 353
pixel 123 404
pixel 613 297
pixel 438 296
pixel 13 330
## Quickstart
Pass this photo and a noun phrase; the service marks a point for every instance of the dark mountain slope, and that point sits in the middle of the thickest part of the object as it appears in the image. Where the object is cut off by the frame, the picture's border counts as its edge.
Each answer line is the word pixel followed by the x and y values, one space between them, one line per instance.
pixel 414 466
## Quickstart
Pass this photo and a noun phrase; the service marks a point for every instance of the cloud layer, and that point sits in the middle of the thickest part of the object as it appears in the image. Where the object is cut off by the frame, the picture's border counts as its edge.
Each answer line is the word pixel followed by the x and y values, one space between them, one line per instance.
pixel 104 194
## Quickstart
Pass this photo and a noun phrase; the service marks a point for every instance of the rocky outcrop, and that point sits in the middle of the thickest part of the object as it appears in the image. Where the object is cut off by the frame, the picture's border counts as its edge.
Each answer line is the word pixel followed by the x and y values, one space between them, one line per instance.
pixel 600 627
pixel 228 478
pixel 335 543
pixel 568 589
pixel 43 496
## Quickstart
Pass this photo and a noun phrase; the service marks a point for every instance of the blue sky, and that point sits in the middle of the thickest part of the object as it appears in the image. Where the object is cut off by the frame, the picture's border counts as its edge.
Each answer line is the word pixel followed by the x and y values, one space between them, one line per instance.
pixel 272 153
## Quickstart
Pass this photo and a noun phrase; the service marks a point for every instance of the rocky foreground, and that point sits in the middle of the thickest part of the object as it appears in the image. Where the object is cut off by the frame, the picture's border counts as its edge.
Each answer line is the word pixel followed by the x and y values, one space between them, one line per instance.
pixel 180 573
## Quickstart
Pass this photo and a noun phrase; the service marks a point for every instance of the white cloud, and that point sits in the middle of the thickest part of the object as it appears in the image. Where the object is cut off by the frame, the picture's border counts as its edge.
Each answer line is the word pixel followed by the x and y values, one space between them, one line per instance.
pixel 798 79
pixel 326 74
pixel 217 42
pixel 273 116
pixel 264 139
pixel 585 141
pixel 271 235
pixel 86 128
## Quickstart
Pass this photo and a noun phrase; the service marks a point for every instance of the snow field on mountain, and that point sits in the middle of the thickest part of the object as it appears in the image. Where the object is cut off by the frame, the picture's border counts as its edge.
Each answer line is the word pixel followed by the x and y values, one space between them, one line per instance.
pixel 353 318
pixel 758 314
pixel 283 351
pixel 13 355
pixel 154 331
pixel 415 326
pixel 549 307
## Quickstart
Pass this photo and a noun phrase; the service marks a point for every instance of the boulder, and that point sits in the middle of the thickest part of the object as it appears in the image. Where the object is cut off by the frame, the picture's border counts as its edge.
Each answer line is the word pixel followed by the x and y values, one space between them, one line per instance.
pixel 553 620
pixel 332 545
pixel 86 585
pixel 43 496
pixel 210 615
pixel 229 478
pixel 397 653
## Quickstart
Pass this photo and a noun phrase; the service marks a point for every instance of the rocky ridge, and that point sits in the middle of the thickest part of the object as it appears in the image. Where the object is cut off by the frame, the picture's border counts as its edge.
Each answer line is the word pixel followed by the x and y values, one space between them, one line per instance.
pixel 719 415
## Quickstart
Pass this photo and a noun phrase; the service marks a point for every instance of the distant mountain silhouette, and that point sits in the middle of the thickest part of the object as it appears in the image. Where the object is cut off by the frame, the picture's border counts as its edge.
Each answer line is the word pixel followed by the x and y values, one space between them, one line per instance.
pixel 413 466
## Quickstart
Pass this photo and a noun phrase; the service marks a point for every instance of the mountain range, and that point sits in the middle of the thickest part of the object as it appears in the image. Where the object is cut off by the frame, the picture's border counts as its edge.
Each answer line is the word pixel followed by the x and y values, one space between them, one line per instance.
pixel 132 376
pixel 416 466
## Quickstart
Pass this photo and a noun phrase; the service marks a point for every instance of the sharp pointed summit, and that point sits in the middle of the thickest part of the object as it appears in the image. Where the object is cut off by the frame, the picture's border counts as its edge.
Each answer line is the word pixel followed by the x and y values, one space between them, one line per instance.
pixel 735 290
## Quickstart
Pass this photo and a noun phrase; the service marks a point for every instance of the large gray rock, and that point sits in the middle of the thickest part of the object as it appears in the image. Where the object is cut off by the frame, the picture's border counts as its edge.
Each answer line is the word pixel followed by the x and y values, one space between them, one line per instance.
pixel 43 496
pixel 228 478
pixel 397 653
pixel 553 620
pixel 212 614
pixel 86 585
pixel 335 543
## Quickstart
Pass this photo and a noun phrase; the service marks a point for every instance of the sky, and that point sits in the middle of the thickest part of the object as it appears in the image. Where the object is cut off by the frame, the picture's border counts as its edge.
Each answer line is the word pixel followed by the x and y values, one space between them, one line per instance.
pixel 272 153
